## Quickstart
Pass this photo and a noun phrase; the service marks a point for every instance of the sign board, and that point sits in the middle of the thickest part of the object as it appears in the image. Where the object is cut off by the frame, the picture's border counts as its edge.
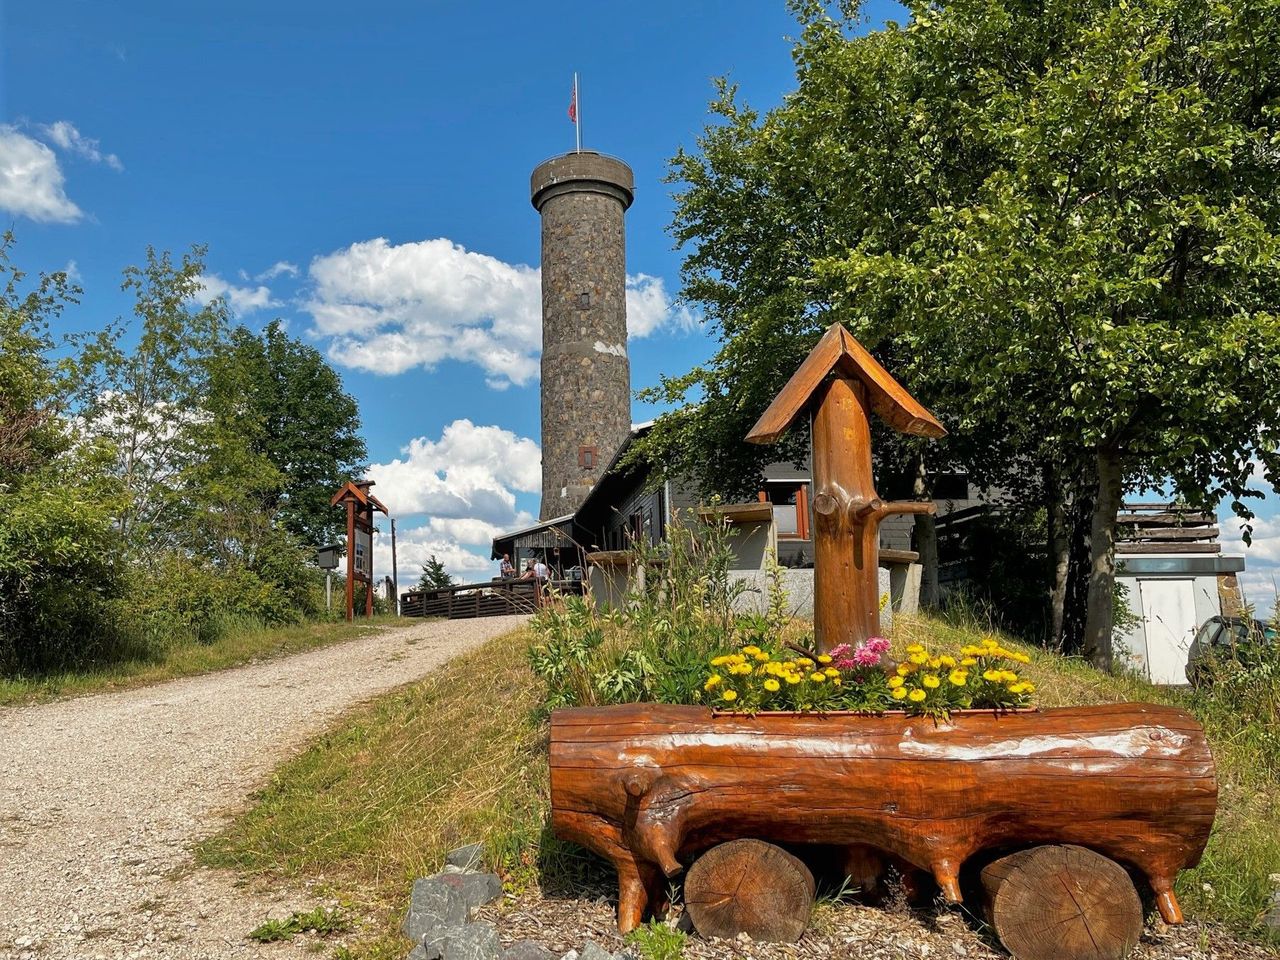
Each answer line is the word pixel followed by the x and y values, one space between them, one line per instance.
pixel 327 557
pixel 364 553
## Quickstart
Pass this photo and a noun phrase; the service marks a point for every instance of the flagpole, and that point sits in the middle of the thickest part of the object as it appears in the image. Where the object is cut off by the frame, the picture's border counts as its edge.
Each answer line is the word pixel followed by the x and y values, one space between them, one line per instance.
pixel 577 111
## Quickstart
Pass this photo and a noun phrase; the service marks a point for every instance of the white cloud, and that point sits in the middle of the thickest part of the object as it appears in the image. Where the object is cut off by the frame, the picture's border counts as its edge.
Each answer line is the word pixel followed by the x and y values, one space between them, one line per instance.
pixel 242 300
pixel 415 545
pixel 279 268
pixel 389 307
pixel 466 484
pixel 472 473
pixel 64 134
pixel 649 308
pixel 31 182
pixel 1262 559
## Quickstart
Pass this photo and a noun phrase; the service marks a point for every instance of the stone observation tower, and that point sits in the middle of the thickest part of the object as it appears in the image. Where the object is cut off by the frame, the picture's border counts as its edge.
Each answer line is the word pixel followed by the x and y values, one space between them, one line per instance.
pixel 586 377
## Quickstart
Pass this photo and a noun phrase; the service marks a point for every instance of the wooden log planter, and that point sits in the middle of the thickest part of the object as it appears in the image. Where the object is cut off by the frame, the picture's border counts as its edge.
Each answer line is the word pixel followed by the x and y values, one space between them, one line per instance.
pixel 1068 793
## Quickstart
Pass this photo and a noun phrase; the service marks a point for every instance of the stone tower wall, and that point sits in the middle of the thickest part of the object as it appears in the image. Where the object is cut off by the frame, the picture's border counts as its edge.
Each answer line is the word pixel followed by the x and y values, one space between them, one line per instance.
pixel 586 377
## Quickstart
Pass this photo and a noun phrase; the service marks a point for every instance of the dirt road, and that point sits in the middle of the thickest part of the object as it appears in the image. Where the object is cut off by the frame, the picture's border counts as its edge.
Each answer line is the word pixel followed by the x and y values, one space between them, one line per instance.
pixel 102 797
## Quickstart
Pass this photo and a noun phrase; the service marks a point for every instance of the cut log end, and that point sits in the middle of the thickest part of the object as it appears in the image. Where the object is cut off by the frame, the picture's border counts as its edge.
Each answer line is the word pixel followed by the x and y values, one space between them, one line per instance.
pixel 1062 903
pixel 752 887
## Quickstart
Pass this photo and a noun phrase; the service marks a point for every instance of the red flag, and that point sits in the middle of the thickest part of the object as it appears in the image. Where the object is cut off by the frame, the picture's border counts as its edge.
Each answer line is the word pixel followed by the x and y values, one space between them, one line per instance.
pixel 573 105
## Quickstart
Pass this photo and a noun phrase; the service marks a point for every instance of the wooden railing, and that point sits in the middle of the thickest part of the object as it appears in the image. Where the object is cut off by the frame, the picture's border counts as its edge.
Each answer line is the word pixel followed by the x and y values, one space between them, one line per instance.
pixel 496 598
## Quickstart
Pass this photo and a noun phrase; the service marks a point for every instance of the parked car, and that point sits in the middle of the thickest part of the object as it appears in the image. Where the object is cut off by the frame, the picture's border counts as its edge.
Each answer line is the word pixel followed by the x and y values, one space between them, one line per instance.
pixel 1225 638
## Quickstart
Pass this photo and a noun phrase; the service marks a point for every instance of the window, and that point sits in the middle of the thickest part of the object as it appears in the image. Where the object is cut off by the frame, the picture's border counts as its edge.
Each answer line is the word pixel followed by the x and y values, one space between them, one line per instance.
pixel 584 301
pixel 587 457
pixel 790 501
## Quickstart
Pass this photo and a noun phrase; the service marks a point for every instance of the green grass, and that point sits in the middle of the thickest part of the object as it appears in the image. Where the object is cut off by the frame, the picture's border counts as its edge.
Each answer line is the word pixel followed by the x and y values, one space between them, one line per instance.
pixel 656 941
pixel 236 647
pixel 461 756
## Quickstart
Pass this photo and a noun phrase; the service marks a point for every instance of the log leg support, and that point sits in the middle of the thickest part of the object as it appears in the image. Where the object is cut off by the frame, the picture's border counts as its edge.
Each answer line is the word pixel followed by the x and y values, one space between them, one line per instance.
pixel 1166 900
pixel 638 883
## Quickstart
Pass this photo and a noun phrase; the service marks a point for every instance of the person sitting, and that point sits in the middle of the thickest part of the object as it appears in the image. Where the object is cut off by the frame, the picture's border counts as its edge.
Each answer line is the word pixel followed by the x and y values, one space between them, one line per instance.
pixel 528 570
pixel 506 570
pixel 542 571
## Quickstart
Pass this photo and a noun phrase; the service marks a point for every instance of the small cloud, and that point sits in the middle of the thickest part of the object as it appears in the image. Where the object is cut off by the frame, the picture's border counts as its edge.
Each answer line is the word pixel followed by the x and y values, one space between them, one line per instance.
pixel 31 182
pixel 64 134
pixel 72 270
pixel 242 300
pixel 278 269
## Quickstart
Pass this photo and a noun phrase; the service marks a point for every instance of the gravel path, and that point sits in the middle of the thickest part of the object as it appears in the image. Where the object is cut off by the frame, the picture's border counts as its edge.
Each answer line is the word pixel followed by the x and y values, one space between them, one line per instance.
pixel 101 797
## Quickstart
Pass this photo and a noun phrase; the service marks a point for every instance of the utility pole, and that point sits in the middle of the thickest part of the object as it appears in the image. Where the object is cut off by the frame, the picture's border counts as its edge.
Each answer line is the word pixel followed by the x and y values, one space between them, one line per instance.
pixel 395 576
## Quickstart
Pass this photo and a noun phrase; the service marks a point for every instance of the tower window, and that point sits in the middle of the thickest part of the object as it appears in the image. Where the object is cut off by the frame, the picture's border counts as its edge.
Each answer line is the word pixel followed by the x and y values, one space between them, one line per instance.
pixel 584 301
pixel 587 457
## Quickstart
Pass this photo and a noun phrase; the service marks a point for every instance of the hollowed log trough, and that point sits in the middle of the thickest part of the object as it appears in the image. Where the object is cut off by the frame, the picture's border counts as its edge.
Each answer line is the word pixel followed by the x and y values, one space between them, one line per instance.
pixel 650 787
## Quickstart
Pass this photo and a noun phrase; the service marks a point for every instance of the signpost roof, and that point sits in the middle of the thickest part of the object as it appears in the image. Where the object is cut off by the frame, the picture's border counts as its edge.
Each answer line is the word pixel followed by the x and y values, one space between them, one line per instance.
pixel 838 351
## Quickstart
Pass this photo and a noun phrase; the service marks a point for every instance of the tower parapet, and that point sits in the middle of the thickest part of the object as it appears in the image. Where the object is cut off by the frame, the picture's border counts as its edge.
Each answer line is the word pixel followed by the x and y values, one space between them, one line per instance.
pixel 586 376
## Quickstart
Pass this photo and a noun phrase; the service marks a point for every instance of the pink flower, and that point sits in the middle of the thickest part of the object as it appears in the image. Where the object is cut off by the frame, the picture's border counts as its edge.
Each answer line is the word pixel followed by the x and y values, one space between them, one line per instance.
pixel 864 656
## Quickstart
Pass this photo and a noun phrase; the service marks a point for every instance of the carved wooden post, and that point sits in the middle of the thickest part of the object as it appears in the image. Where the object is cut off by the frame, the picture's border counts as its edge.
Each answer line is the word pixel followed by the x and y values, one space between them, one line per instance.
pixel 841 383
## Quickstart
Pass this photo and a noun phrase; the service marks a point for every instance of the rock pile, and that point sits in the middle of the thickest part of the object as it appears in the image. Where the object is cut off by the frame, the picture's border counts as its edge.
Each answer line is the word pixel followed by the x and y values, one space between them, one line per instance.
pixel 441 918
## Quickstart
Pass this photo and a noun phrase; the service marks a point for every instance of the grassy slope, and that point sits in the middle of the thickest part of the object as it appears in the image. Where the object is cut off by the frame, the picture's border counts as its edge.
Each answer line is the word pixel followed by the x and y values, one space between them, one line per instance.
pixel 238 647
pixel 459 757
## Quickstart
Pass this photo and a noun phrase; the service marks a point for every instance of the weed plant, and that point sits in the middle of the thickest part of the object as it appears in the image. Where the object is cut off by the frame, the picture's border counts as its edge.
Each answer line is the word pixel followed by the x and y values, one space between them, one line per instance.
pixel 683 608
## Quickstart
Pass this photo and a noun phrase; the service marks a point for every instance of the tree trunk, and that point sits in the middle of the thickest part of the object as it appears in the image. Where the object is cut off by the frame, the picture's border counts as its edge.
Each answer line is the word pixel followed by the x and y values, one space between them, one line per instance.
pixel 1081 485
pixel 1062 903
pixel 926 536
pixel 1102 560
pixel 1059 553
pixel 752 887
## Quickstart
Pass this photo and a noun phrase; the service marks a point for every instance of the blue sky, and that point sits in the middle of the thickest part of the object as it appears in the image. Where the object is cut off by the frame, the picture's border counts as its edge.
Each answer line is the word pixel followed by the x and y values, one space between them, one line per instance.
pixel 368 169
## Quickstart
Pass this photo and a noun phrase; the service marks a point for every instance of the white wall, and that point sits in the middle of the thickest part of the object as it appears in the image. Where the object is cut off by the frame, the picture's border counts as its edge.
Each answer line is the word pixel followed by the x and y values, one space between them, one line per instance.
pixel 1169 609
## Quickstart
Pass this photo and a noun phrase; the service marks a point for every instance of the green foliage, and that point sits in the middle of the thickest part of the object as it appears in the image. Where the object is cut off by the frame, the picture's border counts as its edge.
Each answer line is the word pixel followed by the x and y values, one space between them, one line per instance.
pixel 657 941
pixel 152 476
pixel 656 644
pixel 320 921
pixel 292 406
pixel 434 576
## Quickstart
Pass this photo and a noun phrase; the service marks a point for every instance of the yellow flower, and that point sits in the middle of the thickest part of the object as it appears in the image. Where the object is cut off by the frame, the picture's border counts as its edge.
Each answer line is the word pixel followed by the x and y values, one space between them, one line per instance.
pixel 719 661
pixel 817 678
pixel 947 662
pixel 1016 688
pixel 968 662
pixel 751 651
pixel 762 656
pixel 804 662
pixel 971 651
pixel 730 695
pixel 1008 676
pixel 904 670
pixel 899 693
pixel 1019 657
pixel 895 682
pixel 992 676
pixel 935 663
pixel 711 681
pixel 930 681
pixel 1028 686
pixel 835 681
pixel 824 658
pixel 916 695
pixel 919 658
pixel 915 648
pixel 793 678
pixel 831 672
pixel 958 677
pixel 772 686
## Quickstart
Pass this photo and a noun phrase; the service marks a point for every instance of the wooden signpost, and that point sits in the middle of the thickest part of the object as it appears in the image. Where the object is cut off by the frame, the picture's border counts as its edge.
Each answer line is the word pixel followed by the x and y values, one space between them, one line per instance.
pixel 841 384
pixel 361 506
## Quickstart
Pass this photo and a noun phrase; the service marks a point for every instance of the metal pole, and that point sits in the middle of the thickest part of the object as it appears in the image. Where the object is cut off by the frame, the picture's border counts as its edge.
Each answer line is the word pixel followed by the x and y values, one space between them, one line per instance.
pixel 577 111
pixel 328 591
pixel 395 575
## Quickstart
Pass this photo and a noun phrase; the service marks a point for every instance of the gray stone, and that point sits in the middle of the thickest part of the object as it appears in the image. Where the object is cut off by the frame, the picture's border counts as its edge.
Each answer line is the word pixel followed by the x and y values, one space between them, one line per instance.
pixel 527 950
pixel 593 951
pixel 475 889
pixel 434 906
pixel 418 953
pixel 473 941
pixel 469 857
pixel 571 955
